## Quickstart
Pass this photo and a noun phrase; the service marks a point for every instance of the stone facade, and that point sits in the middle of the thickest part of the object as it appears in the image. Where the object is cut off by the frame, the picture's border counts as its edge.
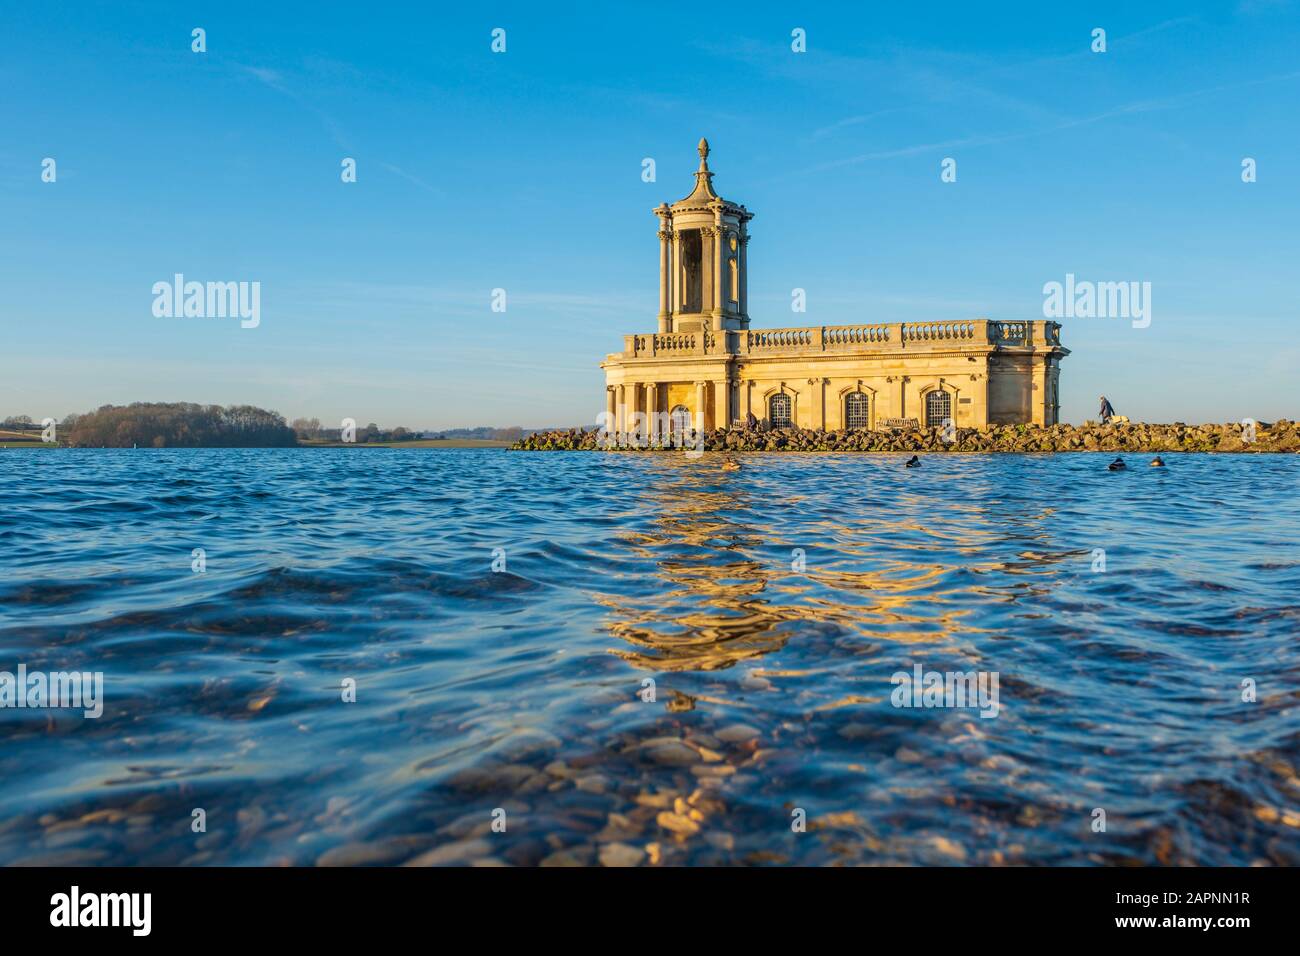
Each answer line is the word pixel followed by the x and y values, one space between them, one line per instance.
pixel 706 368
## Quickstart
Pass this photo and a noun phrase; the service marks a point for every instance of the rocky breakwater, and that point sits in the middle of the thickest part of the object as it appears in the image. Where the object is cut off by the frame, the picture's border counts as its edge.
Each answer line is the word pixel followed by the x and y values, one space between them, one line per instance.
pixel 1279 436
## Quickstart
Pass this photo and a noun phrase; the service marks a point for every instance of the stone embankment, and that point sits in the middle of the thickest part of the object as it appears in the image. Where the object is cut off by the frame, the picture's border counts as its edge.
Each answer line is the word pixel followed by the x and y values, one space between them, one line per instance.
pixel 1280 436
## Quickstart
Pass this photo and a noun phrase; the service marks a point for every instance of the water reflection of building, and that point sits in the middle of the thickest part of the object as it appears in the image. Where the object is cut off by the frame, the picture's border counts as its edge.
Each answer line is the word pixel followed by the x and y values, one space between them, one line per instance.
pixel 705 360
pixel 723 597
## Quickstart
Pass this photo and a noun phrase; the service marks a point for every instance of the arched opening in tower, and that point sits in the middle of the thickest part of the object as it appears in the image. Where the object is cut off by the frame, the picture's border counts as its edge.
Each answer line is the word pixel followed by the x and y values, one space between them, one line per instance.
pixel 692 271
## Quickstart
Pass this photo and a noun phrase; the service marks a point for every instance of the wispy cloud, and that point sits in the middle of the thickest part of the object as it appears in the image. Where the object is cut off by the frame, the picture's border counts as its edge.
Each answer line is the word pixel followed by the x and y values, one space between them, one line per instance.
pixel 1127 109
pixel 411 178
pixel 275 80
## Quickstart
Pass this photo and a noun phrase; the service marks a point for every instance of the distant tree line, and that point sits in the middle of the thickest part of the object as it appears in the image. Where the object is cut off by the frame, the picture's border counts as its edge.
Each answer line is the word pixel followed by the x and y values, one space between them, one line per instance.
pixel 189 425
pixel 177 425
pixel 309 429
pixel 19 423
pixel 513 433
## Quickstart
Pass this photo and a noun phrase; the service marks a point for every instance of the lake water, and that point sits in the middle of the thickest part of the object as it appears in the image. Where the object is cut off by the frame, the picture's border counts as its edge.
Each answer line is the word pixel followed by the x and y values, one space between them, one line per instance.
pixel 770 606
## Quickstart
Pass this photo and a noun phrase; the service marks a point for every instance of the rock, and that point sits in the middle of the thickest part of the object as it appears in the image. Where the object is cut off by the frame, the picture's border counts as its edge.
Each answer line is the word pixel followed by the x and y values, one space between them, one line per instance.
pixel 571 856
pixel 720 840
pixel 620 854
pixel 677 823
pixel 857 731
pixel 378 853
pixel 713 770
pixel 738 734
pixel 460 851
pixel 947 847
pixel 592 783
pixel 657 801
pixel 671 753
pixel 526 743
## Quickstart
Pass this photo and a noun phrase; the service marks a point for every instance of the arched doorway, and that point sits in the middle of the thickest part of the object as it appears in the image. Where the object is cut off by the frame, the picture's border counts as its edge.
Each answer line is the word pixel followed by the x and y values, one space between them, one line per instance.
pixel 938 407
pixel 857 410
pixel 679 420
pixel 779 410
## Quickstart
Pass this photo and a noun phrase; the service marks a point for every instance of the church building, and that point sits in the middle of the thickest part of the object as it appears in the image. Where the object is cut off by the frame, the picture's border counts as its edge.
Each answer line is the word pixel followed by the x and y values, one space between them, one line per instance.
pixel 705 365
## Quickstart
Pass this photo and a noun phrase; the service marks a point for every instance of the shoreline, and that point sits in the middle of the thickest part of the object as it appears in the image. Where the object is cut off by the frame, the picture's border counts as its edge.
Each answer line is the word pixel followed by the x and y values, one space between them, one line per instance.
pixel 1281 437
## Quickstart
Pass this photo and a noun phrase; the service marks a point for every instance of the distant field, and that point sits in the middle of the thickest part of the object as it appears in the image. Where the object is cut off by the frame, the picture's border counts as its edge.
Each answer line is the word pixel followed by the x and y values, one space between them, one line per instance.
pixel 10 439
pixel 418 443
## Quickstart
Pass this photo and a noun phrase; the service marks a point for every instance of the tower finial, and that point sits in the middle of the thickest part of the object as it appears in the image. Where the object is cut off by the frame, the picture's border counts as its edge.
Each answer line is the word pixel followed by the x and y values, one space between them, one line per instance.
pixel 704 154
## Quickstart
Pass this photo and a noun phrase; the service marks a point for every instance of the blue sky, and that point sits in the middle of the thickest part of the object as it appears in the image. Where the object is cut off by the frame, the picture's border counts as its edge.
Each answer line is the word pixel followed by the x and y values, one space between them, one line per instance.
pixel 522 171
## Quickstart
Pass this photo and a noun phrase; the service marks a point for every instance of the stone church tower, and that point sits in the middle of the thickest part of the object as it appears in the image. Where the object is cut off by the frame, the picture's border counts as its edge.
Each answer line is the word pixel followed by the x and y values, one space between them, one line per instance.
pixel 702 241
pixel 705 367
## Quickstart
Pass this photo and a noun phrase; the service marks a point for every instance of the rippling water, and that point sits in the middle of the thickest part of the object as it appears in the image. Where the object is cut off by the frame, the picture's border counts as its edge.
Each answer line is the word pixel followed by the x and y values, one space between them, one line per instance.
pixel 518 690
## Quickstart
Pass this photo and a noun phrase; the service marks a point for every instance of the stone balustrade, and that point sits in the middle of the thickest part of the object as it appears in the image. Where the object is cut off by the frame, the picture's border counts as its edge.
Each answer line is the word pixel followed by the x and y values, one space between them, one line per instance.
pixel 811 340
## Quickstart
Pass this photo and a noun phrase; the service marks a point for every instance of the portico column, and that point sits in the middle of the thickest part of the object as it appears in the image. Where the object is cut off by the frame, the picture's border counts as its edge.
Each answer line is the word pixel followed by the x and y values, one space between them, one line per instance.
pixel 652 411
pixel 721 404
pixel 611 408
pixel 629 413
pixel 1037 391
pixel 622 409
pixel 701 409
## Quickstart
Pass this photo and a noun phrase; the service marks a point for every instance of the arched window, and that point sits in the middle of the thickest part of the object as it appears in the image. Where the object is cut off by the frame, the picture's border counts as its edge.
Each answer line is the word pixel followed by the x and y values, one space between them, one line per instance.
pixel 938 407
pixel 857 409
pixel 778 410
pixel 679 420
pixel 735 279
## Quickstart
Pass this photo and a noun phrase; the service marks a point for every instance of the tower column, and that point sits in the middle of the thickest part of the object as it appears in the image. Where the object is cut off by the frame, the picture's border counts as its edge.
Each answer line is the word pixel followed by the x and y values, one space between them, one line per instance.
pixel 719 293
pixel 675 283
pixel 743 278
pixel 665 276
